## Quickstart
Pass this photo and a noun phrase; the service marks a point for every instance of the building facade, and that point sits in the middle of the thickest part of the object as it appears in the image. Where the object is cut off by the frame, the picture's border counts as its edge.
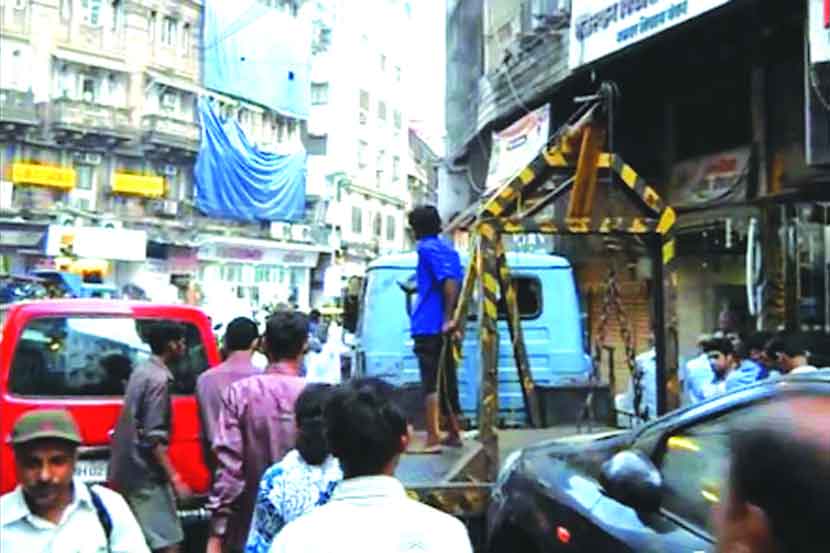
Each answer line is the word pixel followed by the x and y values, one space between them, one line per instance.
pixel 359 105
pixel 723 109
pixel 99 129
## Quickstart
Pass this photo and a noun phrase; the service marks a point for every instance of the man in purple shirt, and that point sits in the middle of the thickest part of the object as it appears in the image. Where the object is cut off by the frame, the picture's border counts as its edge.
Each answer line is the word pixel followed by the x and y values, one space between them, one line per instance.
pixel 241 340
pixel 256 429
pixel 438 278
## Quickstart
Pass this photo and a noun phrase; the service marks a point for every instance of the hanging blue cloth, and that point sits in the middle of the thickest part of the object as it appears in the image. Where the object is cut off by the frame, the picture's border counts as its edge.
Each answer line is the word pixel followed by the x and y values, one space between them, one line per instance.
pixel 235 180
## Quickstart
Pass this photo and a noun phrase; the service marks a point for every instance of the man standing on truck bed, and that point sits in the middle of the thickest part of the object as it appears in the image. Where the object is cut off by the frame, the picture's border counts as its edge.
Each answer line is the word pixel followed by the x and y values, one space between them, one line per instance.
pixel 438 283
pixel 140 465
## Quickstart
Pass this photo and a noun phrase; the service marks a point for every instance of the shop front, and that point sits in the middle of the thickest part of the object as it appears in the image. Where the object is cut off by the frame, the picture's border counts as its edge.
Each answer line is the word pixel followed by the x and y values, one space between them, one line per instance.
pixel 256 274
pixel 98 254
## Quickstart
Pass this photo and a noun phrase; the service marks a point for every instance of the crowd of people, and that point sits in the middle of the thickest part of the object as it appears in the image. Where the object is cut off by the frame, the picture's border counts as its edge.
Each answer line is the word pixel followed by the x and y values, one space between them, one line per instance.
pixel 287 458
pixel 724 361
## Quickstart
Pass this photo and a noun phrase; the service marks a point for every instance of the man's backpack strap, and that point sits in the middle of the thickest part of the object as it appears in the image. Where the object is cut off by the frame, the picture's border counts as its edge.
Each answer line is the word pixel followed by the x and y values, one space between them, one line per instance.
pixel 103 515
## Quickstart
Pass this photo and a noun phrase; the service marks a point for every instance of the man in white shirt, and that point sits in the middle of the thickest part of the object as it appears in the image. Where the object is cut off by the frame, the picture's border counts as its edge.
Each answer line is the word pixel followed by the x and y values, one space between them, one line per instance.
pixel 793 355
pixel 369 510
pixel 51 511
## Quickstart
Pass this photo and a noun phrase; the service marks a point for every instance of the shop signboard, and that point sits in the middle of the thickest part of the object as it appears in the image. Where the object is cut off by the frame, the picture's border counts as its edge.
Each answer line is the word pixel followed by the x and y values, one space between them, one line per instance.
pixel 713 180
pixel 50 176
pixel 515 146
pixel 249 253
pixel 145 186
pixel 602 27
pixel 97 243
pixel 819 16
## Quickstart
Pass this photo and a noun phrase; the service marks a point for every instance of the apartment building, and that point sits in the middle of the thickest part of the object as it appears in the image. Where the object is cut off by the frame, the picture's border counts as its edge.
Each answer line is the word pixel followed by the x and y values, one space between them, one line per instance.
pixel 359 104
pixel 99 129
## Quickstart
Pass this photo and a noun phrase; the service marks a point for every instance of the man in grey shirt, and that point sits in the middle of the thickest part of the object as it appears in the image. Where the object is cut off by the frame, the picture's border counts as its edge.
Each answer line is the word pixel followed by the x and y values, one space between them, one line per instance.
pixel 140 465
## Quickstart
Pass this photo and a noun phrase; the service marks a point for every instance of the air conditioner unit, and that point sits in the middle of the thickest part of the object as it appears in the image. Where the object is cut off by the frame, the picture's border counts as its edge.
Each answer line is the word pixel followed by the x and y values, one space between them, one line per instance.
pixel 170 170
pixel 91 158
pixel 301 233
pixel 170 207
pixel 6 194
pixel 280 230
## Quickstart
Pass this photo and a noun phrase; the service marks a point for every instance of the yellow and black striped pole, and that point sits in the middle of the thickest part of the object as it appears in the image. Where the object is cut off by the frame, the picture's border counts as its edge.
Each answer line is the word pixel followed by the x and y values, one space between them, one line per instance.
pixel 514 324
pixel 488 317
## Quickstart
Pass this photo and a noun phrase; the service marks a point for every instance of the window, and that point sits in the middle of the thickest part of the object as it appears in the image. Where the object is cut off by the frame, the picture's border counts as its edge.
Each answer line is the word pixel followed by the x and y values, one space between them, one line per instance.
pixel 694 463
pixel 398 119
pixel 397 73
pixel 357 220
pixel 84 177
pixel 382 111
pixel 364 100
pixel 383 62
pixel 93 356
pixel 168 31
pixel 390 228
pixel 66 10
pixel 381 160
pixel 362 154
pixel 528 296
pixel 319 94
pixel 377 225
pixel 92 12
pixel 396 168
pixel 186 39
pixel 169 101
pixel 88 89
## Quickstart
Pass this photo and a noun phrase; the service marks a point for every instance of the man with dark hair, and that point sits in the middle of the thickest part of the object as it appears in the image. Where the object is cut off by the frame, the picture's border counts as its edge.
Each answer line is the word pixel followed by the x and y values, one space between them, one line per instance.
pixel 256 429
pixel 438 278
pixel 793 357
pixel 370 510
pixel 778 495
pixel 241 341
pixel 755 350
pixel 140 465
pixel 52 510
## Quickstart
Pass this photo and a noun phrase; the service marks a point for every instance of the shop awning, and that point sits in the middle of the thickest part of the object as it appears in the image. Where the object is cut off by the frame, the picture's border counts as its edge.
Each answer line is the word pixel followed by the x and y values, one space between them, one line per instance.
pixel 91 60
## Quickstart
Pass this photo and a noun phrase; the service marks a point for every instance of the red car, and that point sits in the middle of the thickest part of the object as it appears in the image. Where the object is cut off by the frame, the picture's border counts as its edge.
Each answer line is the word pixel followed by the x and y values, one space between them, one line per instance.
pixel 78 354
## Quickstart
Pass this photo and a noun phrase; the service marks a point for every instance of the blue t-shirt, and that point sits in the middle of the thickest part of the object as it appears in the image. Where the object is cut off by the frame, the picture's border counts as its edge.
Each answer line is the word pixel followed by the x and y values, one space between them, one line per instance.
pixel 748 372
pixel 437 262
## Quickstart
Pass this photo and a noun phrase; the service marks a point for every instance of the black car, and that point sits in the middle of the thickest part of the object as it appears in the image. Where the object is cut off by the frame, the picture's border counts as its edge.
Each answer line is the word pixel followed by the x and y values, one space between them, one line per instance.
pixel 649 489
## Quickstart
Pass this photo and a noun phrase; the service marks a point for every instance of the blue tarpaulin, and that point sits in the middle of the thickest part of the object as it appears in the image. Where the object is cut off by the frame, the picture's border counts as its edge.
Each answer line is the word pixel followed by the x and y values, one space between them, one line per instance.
pixel 235 180
pixel 258 53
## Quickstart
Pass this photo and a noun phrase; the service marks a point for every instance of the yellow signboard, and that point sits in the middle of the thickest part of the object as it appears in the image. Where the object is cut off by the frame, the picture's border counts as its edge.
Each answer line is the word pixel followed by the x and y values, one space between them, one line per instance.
pixel 43 175
pixel 138 185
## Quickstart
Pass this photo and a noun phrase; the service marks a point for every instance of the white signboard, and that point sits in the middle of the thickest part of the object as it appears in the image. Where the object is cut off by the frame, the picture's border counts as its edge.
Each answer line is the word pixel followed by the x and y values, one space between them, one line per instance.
pixel 517 145
pixel 819 31
pixel 602 27
pixel 97 243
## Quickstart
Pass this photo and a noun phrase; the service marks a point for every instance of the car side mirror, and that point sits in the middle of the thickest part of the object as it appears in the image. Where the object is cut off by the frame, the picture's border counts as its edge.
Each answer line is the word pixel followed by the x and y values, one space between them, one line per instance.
pixel 632 479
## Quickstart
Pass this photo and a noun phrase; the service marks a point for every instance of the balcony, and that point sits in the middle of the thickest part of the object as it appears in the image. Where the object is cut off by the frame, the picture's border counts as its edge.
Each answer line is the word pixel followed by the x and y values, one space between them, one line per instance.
pixel 162 133
pixel 14 20
pixel 90 124
pixel 17 113
pixel 94 39
pixel 172 60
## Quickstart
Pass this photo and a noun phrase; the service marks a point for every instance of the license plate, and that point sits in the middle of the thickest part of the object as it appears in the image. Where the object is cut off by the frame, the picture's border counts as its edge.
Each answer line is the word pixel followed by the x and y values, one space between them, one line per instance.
pixel 92 472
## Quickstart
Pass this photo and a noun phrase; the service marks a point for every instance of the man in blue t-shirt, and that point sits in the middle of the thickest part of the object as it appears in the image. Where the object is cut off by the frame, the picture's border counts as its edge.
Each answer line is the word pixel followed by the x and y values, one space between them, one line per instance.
pixel 438 283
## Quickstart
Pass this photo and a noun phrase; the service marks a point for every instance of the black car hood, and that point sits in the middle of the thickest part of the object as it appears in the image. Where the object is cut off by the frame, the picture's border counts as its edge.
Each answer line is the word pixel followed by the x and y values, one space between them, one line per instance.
pixel 583 453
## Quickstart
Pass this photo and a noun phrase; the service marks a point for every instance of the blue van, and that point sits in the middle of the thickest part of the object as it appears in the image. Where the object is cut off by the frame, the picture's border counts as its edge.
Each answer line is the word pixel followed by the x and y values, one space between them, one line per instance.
pixel 551 321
